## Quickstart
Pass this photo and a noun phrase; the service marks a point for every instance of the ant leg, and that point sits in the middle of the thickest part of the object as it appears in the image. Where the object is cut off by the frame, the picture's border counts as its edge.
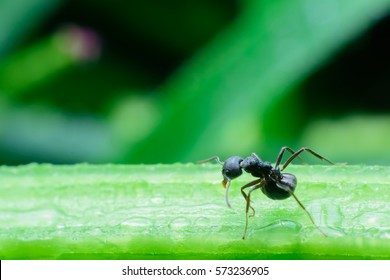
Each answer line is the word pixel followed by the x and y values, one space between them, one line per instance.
pixel 301 150
pixel 248 201
pixel 211 159
pixel 281 153
pixel 256 156
pixel 250 184
pixel 307 212
pixel 280 156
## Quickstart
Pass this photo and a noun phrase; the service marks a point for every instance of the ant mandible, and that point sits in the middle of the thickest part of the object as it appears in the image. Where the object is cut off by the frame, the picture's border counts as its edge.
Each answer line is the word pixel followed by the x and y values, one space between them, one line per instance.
pixel 272 182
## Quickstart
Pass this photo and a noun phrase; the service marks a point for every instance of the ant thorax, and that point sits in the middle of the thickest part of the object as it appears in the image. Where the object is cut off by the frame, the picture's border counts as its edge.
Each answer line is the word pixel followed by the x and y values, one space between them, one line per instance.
pixel 256 167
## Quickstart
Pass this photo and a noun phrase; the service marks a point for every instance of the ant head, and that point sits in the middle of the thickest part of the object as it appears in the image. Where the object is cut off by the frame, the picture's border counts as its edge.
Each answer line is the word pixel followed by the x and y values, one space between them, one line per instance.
pixel 231 168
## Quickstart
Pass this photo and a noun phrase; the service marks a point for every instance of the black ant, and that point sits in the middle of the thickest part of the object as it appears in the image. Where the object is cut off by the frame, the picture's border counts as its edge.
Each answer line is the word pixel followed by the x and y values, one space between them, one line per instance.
pixel 272 182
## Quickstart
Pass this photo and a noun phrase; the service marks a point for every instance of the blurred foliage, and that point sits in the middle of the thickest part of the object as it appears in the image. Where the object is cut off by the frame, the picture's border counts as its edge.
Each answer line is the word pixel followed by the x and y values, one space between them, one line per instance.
pixel 178 211
pixel 132 81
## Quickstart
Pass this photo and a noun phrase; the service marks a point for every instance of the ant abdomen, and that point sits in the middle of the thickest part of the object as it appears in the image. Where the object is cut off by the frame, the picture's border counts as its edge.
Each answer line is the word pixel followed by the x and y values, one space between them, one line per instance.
pixel 281 189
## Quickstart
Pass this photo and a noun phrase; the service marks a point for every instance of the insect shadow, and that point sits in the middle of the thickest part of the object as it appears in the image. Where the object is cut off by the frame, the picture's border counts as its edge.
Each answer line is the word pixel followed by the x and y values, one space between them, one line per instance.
pixel 271 180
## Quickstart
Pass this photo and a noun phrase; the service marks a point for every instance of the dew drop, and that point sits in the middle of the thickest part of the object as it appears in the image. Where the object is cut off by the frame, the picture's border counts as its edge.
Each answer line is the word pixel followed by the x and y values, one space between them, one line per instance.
pixel 373 219
pixel 137 222
pixel 179 223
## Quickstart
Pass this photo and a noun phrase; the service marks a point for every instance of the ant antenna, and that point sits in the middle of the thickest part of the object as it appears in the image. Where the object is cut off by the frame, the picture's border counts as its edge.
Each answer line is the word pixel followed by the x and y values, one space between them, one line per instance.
pixel 211 159
pixel 225 183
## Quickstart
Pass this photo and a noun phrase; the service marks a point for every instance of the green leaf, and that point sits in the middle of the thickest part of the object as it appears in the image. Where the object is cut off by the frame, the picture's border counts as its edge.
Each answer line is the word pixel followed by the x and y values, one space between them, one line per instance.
pixel 179 212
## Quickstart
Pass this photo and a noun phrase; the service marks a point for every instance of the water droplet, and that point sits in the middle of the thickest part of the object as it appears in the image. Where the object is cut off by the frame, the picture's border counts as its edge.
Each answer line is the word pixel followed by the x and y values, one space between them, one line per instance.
pixel 137 222
pixel 373 219
pixel 159 200
pixel 385 235
pixel 179 223
pixel 93 231
pixel 333 232
pixel 277 232
pixel 202 222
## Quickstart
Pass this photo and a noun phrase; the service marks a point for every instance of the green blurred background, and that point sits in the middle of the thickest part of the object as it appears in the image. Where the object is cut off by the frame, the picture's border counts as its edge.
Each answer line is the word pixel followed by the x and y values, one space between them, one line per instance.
pixel 179 81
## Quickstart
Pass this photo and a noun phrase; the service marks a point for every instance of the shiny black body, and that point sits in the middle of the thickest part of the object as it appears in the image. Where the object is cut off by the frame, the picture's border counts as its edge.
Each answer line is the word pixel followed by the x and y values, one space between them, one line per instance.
pixel 277 186
pixel 275 192
pixel 270 179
